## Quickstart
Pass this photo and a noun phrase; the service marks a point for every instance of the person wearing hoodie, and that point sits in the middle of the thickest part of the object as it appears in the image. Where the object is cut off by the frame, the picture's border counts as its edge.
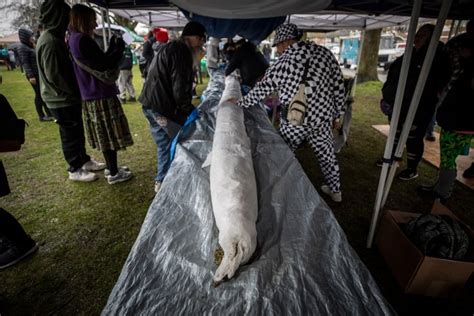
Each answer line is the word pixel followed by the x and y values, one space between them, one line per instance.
pixel 26 52
pixel 60 91
pixel 106 124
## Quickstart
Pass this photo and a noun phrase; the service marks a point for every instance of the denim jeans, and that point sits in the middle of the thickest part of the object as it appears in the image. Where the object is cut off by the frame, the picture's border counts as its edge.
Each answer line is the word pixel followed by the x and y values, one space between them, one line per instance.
pixel 162 135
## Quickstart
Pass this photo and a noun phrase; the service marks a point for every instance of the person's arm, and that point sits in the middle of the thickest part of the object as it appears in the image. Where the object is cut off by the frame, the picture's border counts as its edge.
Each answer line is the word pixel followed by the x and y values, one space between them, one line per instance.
pixel 49 61
pixel 263 88
pixel 181 70
pixel 96 58
pixel 234 63
pixel 25 56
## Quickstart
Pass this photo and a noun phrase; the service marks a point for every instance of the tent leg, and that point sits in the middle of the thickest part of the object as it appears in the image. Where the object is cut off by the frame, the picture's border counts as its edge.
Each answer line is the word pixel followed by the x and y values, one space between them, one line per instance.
pixel 420 85
pixel 104 37
pixel 395 117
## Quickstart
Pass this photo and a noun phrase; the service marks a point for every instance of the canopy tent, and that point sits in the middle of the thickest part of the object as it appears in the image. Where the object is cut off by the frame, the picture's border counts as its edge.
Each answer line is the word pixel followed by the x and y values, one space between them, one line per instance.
pixel 169 18
pixel 326 21
pixel 128 35
pixel 442 9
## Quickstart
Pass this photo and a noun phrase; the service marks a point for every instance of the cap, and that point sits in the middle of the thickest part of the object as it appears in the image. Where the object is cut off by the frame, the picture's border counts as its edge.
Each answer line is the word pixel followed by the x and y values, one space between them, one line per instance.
pixel 194 29
pixel 285 32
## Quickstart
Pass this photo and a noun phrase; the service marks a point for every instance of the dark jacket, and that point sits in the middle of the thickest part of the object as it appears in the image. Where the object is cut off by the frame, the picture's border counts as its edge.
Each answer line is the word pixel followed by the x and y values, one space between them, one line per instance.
pixel 251 63
pixel 126 63
pixel 27 54
pixel 436 80
pixel 58 82
pixel 456 112
pixel 168 87
pixel 148 53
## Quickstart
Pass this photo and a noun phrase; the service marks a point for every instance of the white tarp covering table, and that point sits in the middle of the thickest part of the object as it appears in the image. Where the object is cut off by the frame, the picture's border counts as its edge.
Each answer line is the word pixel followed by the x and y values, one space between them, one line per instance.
pixel 303 264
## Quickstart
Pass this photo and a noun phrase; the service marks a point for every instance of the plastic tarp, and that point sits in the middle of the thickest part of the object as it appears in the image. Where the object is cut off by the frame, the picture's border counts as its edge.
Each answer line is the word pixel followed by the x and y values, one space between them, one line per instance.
pixel 303 263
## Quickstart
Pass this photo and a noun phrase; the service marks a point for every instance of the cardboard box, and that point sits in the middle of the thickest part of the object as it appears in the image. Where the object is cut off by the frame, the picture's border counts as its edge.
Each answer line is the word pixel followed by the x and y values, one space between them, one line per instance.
pixel 415 272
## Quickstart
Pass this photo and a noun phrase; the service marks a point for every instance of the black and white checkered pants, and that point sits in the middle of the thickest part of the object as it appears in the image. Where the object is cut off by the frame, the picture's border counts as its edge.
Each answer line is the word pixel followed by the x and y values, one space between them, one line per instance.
pixel 321 141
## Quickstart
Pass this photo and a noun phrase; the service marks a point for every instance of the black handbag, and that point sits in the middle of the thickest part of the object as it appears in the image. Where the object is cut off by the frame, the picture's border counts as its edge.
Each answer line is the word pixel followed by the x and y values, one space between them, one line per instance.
pixel 12 129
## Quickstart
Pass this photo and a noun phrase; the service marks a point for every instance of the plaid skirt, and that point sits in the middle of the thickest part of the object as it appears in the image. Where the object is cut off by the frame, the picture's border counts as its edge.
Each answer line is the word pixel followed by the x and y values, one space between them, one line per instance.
pixel 106 124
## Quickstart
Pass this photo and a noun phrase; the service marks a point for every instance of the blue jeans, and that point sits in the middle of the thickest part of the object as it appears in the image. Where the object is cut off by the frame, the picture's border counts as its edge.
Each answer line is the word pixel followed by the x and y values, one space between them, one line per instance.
pixel 162 135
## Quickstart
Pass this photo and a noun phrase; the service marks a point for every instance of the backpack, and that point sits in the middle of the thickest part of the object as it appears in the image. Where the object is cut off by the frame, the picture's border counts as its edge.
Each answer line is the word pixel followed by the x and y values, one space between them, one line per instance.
pixel 12 129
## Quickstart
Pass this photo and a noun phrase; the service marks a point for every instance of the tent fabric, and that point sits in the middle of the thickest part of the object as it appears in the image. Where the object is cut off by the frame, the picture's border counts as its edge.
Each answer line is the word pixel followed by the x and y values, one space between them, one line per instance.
pixel 303 263
pixel 461 9
pixel 331 21
pixel 169 19
pixel 250 9
pixel 254 30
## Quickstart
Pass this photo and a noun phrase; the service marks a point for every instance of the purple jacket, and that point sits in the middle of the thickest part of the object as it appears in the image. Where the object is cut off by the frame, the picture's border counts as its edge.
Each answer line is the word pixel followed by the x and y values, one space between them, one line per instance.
pixel 85 49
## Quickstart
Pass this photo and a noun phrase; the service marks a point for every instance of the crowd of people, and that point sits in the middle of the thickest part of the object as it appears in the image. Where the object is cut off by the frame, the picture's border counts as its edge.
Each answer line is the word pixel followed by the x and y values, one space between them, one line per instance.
pixel 75 83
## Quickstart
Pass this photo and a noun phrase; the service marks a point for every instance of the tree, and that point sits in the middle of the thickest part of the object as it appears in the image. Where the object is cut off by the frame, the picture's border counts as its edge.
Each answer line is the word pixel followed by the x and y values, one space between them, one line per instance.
pixel 28 14
pixel 367 68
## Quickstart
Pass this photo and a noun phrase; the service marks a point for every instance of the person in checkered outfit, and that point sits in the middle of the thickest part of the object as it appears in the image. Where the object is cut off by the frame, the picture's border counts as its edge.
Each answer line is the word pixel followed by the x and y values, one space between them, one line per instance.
pixel 324 92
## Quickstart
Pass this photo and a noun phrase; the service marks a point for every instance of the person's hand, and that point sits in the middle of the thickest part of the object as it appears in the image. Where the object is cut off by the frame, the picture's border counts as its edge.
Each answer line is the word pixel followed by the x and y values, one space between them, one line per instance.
pixel 32 81
pixel 337 124
pixel 233 100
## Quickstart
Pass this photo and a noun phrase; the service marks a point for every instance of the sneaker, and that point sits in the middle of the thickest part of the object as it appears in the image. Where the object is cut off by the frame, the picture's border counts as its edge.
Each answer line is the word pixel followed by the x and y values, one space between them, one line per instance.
pixel 335 196
pixel 107 171
pixel 430 138
pixel 469 172
pixel 407 174
pixel 46 118
pixel 121 176
pixel 132 99
pixel 14 254
pixel 157 186
pixel 82 175
pixel 93 165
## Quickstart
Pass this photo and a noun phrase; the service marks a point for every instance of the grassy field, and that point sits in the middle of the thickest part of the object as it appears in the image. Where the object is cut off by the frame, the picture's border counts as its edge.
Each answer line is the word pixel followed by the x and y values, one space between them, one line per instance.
pixel 85 231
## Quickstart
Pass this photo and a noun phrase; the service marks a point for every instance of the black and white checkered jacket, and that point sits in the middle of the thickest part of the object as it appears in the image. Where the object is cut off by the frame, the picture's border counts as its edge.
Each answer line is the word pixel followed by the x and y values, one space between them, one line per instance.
pixel 324 89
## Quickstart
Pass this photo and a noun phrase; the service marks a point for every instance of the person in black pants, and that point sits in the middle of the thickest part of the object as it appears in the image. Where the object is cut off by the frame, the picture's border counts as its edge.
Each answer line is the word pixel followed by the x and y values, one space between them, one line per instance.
pixel 61 92
pixel 26 52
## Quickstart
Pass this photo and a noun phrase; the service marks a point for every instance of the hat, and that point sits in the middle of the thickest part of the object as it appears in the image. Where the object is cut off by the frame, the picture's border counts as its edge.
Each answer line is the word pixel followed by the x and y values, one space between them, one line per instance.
pixel 194 29
pixel 286 32
pixel 161 35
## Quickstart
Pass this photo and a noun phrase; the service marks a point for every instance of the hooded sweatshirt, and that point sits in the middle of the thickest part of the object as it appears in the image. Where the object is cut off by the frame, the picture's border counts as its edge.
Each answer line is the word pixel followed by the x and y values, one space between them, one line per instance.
pixel 26 52
pixel 58 82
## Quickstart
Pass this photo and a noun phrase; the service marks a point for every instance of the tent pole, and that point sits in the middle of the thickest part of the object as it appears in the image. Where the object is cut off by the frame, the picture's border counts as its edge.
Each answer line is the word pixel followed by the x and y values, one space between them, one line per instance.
pixel 420 85
pixel 451 29
pixel 103 31
pixel 394 121
pixel 362 36
pixel 109 32
pixel 457 28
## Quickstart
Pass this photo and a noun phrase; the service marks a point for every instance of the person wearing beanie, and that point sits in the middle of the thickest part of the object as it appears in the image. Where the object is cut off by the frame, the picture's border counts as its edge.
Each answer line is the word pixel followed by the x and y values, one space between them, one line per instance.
pixel 60 91
pixel 167 93
pixel 26 52
pixel 308 69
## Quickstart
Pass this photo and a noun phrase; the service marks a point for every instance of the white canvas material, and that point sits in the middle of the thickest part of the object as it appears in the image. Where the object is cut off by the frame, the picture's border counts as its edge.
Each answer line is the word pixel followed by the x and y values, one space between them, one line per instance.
pixel 297 107
pixel 233 184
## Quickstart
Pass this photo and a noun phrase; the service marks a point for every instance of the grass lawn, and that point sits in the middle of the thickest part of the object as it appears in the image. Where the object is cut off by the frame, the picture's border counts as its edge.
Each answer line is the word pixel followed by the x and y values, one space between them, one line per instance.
pixel 85 231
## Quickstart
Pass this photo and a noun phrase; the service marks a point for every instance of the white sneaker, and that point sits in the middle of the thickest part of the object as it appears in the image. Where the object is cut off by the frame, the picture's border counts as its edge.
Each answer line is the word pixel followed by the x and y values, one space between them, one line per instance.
pixel 93 165
pixel 157 186
pixel 121 176
pixel 107 171
pixel 335 196
pixel 82 176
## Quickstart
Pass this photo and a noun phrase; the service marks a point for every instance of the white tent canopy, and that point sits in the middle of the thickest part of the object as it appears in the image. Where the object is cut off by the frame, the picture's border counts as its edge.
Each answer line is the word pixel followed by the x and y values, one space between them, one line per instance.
pixel 330 21
pixel 169 19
